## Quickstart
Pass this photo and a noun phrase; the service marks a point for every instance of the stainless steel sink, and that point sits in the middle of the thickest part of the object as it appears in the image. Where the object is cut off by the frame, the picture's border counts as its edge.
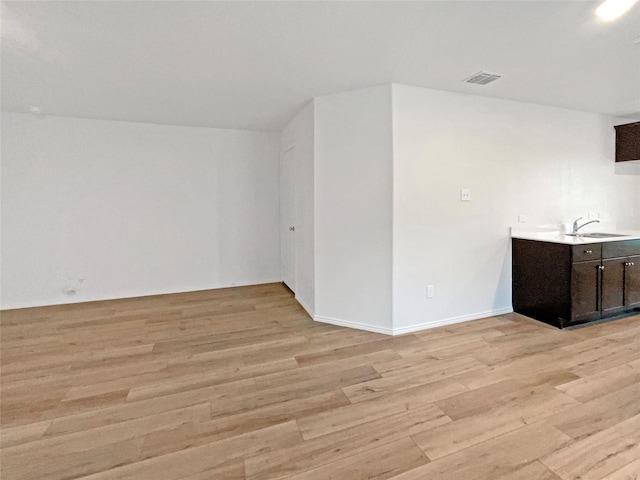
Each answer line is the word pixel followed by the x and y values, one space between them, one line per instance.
pixel 596 235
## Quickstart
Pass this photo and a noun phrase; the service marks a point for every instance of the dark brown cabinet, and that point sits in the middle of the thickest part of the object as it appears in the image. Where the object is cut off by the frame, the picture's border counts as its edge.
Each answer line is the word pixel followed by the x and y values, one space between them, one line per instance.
pixel 585 291
pixel 628 142
pixel 632 282
pixel 621 261
pixel 570 284
pixel 622 285
pixel 612 286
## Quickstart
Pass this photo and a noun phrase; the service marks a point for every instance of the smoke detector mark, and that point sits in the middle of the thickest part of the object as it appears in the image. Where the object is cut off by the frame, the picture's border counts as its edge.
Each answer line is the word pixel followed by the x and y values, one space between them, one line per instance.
pixel 482 78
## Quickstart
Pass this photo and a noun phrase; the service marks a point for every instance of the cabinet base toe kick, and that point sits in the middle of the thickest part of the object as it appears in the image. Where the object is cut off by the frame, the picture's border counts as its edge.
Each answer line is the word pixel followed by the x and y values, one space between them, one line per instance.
pixel 563 323
pixel 566 285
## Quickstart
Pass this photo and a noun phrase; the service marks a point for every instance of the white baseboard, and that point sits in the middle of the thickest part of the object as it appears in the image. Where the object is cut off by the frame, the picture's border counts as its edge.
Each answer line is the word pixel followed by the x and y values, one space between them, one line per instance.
pixel 105 297
pixel 305 306
pixel 411 328
pixel 349 324
pixel 451 321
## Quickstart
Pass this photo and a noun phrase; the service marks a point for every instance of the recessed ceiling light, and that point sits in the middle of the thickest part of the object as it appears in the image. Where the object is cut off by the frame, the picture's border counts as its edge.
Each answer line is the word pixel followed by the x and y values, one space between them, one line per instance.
pixel 36 110
pixel 611 9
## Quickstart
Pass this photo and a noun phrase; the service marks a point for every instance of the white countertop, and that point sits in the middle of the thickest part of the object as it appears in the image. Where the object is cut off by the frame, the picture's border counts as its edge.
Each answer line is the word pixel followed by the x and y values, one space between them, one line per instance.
pixel 554 236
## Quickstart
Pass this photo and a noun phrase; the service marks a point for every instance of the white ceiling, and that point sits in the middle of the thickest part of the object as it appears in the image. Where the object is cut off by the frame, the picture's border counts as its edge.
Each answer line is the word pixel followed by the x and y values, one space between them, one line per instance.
pixel 252 65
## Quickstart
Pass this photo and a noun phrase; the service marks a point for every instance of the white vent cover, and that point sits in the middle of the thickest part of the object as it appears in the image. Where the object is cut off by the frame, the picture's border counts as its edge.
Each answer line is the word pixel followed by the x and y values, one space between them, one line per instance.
pixel 482 78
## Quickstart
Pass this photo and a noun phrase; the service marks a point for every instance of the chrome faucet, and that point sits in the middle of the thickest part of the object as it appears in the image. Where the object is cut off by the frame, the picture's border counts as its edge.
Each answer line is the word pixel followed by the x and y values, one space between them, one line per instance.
pixel 576 227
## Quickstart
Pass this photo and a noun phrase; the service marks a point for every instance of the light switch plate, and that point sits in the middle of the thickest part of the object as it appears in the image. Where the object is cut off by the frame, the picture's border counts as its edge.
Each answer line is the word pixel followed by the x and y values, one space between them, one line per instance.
pixel 430 291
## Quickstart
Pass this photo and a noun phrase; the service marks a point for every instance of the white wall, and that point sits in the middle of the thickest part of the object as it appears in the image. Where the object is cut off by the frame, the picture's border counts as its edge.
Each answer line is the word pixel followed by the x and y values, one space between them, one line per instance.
pixel 353 207
pixel 117 209
pixel 134 209
pixel 550 164
pixel 299 133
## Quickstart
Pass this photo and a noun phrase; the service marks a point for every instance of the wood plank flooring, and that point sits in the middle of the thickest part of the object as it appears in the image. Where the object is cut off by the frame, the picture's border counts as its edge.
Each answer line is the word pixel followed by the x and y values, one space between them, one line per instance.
pixel 241 384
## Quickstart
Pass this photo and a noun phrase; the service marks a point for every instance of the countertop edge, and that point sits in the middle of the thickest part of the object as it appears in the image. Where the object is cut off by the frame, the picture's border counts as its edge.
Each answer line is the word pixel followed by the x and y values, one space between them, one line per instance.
pixel 557 237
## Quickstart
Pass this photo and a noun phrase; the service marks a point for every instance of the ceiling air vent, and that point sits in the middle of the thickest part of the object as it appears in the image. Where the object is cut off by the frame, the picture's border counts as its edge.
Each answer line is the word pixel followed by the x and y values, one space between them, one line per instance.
pixel 482 78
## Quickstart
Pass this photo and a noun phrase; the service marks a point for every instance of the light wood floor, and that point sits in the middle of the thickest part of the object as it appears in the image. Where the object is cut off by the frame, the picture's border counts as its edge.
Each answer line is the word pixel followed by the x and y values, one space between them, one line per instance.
pixel 240 383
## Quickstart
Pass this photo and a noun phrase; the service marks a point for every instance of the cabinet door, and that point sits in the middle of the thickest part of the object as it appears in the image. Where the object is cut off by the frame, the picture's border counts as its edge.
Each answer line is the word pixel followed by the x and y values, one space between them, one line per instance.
pixel 613 286
pixel 628 142
pixel 632 283
pixel 585 291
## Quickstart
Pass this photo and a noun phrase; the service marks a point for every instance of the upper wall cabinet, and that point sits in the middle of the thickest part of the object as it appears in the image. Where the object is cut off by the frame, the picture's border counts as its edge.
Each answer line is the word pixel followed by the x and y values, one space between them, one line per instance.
pixel 628 142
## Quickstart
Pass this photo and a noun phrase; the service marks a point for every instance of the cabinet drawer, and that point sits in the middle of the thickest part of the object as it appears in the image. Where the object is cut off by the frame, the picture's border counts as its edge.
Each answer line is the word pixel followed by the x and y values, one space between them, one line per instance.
pixel 623 248
pixel 583 253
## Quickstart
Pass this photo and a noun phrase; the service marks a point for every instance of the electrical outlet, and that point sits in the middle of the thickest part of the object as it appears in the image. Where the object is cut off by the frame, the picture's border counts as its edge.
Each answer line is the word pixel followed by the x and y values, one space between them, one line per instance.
pixel 465 195
pixel 522 218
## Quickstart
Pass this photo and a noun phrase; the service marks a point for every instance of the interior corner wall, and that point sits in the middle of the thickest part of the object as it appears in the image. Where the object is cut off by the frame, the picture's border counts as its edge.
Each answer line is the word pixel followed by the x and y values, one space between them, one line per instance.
pixel 299 133
pixel 550 164
pixel 353 207
pixel 115 209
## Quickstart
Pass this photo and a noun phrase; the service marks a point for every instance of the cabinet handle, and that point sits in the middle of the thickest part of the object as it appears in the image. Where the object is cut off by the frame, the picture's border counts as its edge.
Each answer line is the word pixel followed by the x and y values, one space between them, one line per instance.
pixel 601 267
pixel 588 252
